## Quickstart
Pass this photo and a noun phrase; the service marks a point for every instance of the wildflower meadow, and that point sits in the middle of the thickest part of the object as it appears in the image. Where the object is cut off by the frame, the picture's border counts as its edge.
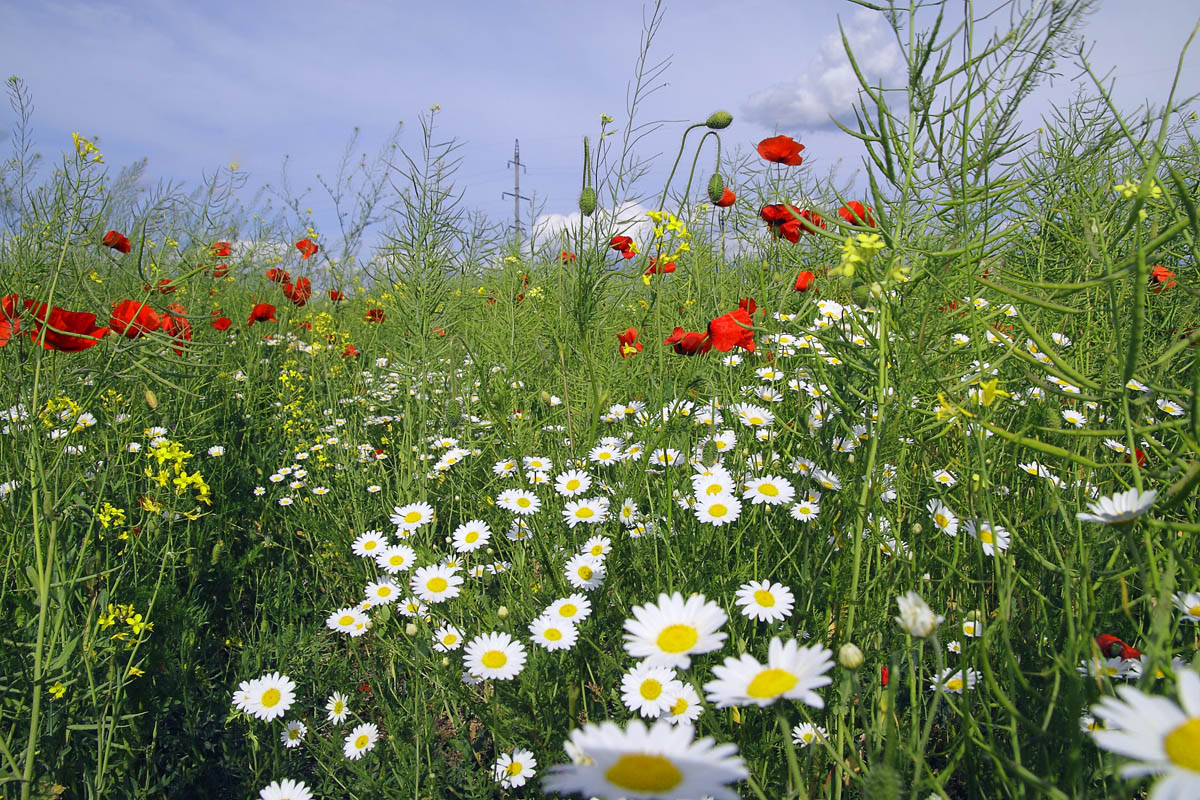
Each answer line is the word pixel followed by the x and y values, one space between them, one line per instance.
pixel 756 483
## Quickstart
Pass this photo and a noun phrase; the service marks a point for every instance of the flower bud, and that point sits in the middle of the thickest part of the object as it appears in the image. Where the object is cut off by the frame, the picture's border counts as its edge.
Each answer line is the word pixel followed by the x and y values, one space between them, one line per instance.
pixel 916 617
pixel 410 629
pixel 719 120
pixel 587 201
pixel 917 528
pixel 502 612
pixel 849 656
pixel 151 399
pixel 716 188
pixel 445 661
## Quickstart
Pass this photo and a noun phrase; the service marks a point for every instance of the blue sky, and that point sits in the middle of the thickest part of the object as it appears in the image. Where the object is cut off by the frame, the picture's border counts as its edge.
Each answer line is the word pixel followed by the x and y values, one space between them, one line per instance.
pixel 194 86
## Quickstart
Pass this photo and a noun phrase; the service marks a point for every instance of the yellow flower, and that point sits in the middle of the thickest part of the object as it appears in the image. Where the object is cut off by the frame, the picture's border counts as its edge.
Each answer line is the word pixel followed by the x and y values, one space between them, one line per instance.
pixel 990 391
pixel 107 620
pixel 136 624
pixel 134 672
pixel 58 690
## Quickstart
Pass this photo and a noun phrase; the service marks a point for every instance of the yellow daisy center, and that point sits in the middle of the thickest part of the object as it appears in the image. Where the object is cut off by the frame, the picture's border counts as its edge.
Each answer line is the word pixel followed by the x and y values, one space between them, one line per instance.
pixel 955 684
pixel 396 561
pixel 650 689
pixel 1182 745
pixel 584 513
pixel 437 584
pixel 412 516
pixel 271 697
pixel 471 537
pixel 756 421
pixel 642 772
pixel 553 634
pixel 370 544
pixel 764 598
pixel 771 683
pixel 572 485
pixel 523 502
pixel 345 619
pixel 677 638
pixel 769 489
pixel 514 768
pixel 361 741
pixel 679 706
pixel 718 510
pixel 449 638
pixel 384 591
pixel 985 536
pixel 941 520
pixel 585 572
pixel 568 610
pixel 494 659
pixel 1194 611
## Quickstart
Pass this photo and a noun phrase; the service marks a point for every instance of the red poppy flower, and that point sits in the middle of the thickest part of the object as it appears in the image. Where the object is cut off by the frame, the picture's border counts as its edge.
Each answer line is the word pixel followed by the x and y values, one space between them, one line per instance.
pixel 653 268
pixel 336 296
pixel 735 329
pixel 1139 454
pixel 221 249
pixel 781 150
pixel 133 318
pixel 688 343
pixel 308 248
pixel 263 312
pixel 220 270
pixel 10 325
pixel 566 257
pixel 375 315
pixel 804 280
pixel 278 275
pixel 627 342
pixel 66 331
pixel 439 330
pixel 220 323
pixel 350 350
pixel 177 326
pixel 623 245
pixel 300 293
pixel 855 213
pixel 1112 647
pixel 728 198
pixel 1160 279
pixel 814 219
pixel 117 241
pixel 782 221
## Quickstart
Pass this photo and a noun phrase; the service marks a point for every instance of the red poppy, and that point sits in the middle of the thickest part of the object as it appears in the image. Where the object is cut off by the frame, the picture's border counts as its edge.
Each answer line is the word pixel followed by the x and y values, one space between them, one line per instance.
pixel 336 296
pixel 10 325
pixel 623 245
pixel 220 323
pixel 688 343
pixel 627 342
pixel 814 221
pixel 1139 454
pixel 566 257
pixel 781 150
pixel 804 280
pixel 350 350
pixel 263 312
pixel 305 325
pixel 62 330
pixel 220 270
pixel 375 315
pixel 221 249
pixel 883 676
pixel 177 326
pixel 308 248
pixel 117 241
pixel 653 268
pixel 439 330
pixel 1160 279
pixel 133 318
pixel 1112 647
pixel 782 221
pixel 735 329
pixel 300 293
pixel 728 198
pixel 855 213
pixel 278 275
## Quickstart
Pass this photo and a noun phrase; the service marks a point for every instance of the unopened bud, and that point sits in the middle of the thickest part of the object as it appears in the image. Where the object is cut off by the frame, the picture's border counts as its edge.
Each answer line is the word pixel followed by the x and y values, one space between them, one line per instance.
pixel 587 201
pixel 719 120
pixel 849 656
pixel 502 612
pixel 917 528
pixel 410 629
pixel 445 661
pixel 151 399
pixel 716 188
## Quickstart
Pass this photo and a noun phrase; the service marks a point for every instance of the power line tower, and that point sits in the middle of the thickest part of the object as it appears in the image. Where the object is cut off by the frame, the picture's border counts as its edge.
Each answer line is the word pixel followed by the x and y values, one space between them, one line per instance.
pixel 517 197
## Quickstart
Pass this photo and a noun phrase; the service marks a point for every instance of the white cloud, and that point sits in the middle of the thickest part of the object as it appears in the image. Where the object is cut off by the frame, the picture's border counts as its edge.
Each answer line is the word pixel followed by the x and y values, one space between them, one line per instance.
pixel 829 88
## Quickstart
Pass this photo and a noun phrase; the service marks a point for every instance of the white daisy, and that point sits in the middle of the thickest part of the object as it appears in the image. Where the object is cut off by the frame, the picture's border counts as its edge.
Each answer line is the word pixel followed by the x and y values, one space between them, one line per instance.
pixel 645 689
pixel 683 704
pixel 285 790
pixel 1189 604
pixel 671 632
pixel 590 510
pixel 718 510
pixel 772 490
pixel 494 656
pixel 585 571
pixel 397 558
pixel 943 517
pixel 350 621
pixel 471 536
pixel 1169 407
pixel 447 638
pixel 553 633
pixel 806 733
pixel 791 672
pixel 944 477
pixel 519 501
pixel 805 511
pixel 369 544
pixel 411 517
pixel 765 601
pixel 435 583
pixel 572 482
pixel 994 538
pixel 916 617
pixel 360 740
pixel 337 708
pixel 1119 508
pixel 954 680
pixel 293 733
pixel 382 592
pixel 267 697
pixel 513 769
pixel 574 608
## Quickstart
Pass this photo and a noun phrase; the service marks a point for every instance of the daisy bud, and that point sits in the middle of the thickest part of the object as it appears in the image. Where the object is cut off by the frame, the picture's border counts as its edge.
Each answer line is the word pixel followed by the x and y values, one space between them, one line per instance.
pixel 445 662
pixel 502 612
pixel 716 188
pixel 916 617
pixel 719 120
pixel 849 656
pixel 587 201
pixel 410 629
pixel 917 528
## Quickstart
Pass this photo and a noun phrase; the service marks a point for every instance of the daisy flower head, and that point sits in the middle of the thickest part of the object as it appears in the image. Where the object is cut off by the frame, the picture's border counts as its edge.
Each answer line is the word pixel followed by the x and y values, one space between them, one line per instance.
pixel 513 769
pixel 772 490
pixel 954 680
pixel 670 632
pixel 572 482
pixel 409 518
pixel 647 689
pixel 471 536
pixel 447 638
pixel 1169 407
pixel 804 511
pixel 916 617
pixel 806 733
pixel 337 708
pixel 494 655
pixel 574 608
pixel 349 621
pixel 537 463
pixel 943 517
pixel 717 510
pixel 553 633
pixel 944 477
pixel 1189 604
pixel 519 501
pixel 381 593
pixel 267 697
pixel 435 583
pixel 293 733
pixel 641 763
pixel 369 544
pixel 585 571
pixel 360 740
pixel 285 789
pixel 1162 737
pixel 397 558
pixel 504 468
pixel 765 601
pixel 628 514
pixel 1119 508
pixel 604 455
pixel 792 672
pixel 683 704
pixel 590 510
pixel 994 538
pixel 1074 417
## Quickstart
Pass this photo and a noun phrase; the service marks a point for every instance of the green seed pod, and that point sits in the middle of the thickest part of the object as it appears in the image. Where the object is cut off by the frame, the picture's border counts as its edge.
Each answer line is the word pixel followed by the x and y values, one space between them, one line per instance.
pixel 716 188
pixel 861 295
pixel 719 120
pixel 882 783
pixel 587 201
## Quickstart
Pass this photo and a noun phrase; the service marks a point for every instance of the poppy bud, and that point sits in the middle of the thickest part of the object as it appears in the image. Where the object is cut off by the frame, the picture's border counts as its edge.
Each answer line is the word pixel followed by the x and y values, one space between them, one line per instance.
pixel 861 295
pixel 719 120
pixel 716 188
pixel 587 201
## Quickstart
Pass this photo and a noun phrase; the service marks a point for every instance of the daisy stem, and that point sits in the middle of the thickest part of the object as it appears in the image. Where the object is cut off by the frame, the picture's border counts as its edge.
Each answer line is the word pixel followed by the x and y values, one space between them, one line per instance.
pixel 795 777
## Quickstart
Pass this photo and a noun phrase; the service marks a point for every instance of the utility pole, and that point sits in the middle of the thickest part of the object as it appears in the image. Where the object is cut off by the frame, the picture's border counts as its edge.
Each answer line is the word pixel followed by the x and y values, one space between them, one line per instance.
pixel 516 192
